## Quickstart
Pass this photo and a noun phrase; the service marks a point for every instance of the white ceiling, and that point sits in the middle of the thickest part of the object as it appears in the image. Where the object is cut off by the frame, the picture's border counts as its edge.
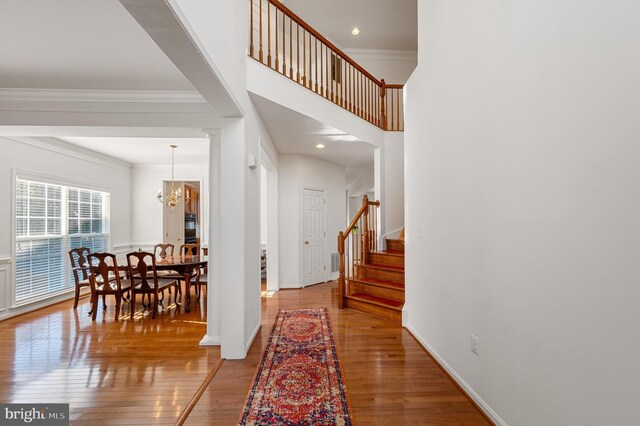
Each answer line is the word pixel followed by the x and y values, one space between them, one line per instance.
pixel 383 24
pixel 80 44
pixel 294 133
pixel 148 151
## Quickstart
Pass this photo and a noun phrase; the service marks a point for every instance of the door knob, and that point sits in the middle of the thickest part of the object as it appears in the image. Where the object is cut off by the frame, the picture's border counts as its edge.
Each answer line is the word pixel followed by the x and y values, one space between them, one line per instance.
pixel 306 242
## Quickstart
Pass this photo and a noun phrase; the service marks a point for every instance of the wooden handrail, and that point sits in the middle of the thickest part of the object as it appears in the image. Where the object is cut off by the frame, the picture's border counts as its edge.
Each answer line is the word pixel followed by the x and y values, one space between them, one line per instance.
pixel 284 9
pixel 359 214
pixel 361 244
pixel 322 67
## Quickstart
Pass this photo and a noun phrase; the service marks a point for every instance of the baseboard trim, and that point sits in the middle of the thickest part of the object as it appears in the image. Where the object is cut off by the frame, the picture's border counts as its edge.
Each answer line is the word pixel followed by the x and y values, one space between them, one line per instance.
pixel 249 342
pixel 473 397
pixel 210 340
pixel 30 307
pixel 392 232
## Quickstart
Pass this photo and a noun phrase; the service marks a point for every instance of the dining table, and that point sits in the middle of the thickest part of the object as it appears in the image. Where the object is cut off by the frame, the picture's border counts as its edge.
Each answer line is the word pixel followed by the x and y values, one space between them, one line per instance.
pixel 185 266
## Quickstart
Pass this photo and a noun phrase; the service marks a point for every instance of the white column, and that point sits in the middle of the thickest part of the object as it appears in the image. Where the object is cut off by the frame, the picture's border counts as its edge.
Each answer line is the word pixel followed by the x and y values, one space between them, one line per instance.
pixel 233 193
pixel 213 336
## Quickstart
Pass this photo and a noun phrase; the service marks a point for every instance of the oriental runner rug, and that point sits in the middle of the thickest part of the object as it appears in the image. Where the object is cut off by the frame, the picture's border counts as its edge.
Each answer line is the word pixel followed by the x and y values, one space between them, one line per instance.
pixel 299 381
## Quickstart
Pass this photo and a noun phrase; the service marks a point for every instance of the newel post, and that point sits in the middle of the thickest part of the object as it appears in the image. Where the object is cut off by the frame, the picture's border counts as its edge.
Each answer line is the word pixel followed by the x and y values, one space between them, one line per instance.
pixel 341 270
pixel 383 108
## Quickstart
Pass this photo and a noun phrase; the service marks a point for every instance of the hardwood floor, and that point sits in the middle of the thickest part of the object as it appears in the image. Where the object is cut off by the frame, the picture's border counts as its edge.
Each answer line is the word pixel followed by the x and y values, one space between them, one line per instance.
pixel 390 379
pixel 147 371
pixel 112 373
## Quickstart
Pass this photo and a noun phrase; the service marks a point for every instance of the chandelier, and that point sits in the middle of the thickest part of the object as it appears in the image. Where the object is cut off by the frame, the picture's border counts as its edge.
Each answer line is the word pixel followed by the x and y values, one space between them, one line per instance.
pixel 174 196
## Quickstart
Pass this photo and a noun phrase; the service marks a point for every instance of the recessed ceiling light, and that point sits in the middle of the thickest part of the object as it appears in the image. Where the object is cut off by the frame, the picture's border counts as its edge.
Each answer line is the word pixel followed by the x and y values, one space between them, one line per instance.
pixel 355 31
pixel 320 146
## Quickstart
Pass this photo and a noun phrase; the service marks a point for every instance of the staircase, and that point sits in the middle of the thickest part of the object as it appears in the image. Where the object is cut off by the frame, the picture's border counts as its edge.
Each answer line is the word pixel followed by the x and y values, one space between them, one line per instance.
pixel 378 286
pixel 371 280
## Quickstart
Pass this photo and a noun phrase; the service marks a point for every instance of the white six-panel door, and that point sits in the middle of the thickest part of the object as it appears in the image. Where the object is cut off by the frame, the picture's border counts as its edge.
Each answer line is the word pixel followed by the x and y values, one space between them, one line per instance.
pixel 313 238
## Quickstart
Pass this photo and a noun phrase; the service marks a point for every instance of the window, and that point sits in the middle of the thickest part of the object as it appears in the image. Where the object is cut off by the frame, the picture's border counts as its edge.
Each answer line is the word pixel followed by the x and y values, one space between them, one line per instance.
pixel 51 219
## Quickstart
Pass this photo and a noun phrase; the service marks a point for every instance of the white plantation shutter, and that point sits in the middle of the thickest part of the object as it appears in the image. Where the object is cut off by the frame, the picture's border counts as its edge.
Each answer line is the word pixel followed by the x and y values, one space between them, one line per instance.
pixel 51 219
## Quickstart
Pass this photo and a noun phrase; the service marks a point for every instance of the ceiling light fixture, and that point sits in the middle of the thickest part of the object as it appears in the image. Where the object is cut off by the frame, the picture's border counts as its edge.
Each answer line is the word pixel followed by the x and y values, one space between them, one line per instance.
pixel 174 195
pixel 355 31
pixel 320 146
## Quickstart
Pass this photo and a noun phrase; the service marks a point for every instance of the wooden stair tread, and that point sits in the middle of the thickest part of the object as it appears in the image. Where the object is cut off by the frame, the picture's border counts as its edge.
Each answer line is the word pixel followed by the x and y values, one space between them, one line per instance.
pixel 393 239
pixel 385 267
pixel 386 303
pixel 382 283
pixel 389 253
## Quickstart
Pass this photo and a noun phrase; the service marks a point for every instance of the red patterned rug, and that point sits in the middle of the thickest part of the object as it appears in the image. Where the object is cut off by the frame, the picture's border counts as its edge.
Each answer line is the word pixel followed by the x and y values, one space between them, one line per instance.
pixel 298 381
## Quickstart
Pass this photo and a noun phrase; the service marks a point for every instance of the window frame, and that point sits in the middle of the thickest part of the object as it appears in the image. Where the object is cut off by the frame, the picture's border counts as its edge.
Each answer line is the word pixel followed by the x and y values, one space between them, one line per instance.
pixel 21 174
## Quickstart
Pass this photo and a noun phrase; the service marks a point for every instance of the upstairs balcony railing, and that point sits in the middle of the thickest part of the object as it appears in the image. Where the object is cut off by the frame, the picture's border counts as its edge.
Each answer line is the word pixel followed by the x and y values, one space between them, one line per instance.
pixel 283 41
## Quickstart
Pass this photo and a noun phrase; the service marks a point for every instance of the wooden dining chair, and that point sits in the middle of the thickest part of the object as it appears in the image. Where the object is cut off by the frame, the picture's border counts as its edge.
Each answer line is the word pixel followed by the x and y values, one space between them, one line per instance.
pixel 190 250
pixel 80 267
pixel 145 281
pixel 201 280
pixel 163 250
pixel 105 279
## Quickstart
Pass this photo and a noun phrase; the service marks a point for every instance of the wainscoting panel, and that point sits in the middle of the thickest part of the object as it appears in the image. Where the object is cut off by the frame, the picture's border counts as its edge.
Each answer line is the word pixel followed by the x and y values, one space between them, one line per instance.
pixel 5 272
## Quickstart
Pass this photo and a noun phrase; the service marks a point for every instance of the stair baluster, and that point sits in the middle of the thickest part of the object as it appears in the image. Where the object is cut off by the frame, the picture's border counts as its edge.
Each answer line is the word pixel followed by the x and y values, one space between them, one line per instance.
pixel 336 76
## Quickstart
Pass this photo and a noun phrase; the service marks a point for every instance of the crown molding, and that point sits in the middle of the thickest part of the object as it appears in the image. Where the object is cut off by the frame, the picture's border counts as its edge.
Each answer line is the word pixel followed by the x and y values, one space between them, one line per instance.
pixel 383 54
pixel 65 148
pixel 78 95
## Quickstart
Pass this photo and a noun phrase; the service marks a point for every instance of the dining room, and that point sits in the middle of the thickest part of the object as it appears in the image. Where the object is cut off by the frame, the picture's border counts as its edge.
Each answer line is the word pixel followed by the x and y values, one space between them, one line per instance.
pixel 78 196
pixel 105 297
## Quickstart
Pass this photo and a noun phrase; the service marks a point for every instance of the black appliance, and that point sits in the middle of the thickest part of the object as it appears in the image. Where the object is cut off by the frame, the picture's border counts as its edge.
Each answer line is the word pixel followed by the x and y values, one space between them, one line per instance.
pixel 190 220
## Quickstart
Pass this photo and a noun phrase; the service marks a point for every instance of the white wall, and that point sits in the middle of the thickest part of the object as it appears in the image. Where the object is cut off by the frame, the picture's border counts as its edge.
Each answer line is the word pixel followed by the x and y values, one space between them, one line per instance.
pixel 146 211
pixel 522 167
pixel 297 172
pixel 64 162
pixel 393 183
pixel 271 85
pixel 394 66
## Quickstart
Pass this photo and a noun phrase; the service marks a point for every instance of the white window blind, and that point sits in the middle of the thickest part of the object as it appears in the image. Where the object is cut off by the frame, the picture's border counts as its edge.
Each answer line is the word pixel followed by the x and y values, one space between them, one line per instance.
pixel 51 219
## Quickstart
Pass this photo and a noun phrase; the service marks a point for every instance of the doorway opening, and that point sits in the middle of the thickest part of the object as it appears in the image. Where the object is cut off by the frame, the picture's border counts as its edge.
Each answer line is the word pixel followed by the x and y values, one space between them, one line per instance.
pixel 182 224
pixel 263 230
pixel 269 280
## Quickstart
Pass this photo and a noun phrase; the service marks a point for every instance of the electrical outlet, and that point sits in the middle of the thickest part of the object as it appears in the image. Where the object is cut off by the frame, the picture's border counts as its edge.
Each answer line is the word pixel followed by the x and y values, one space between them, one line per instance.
pixel 475 344
pixel 421 231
